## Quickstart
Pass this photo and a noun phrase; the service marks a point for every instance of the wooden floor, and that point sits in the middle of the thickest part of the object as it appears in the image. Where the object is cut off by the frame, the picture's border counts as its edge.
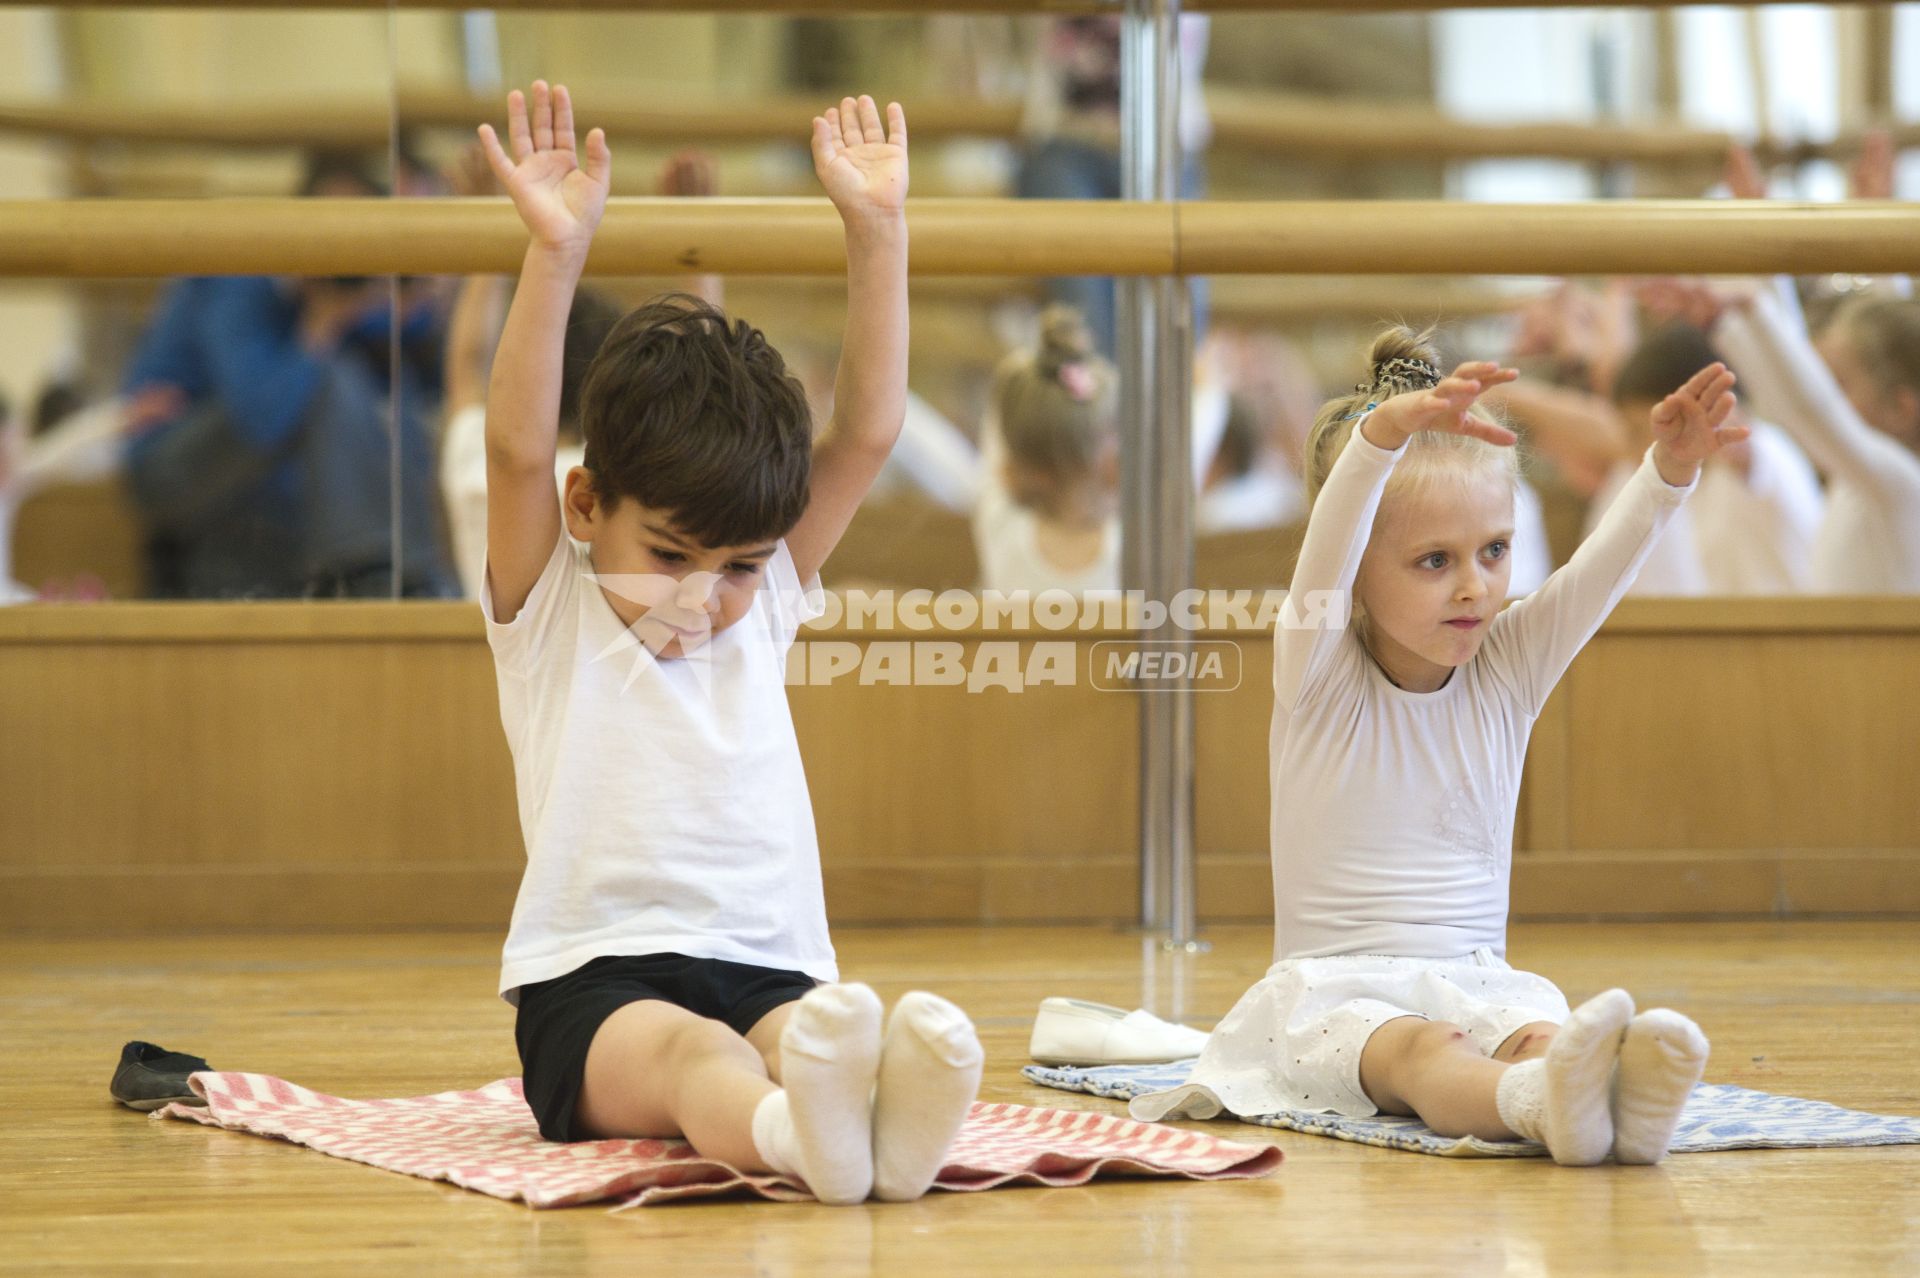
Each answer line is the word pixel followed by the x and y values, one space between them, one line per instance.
pixel 1830 1010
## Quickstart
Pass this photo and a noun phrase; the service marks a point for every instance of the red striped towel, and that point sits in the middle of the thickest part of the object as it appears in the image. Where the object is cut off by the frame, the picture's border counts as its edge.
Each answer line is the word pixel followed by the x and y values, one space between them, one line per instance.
pixel 487 1140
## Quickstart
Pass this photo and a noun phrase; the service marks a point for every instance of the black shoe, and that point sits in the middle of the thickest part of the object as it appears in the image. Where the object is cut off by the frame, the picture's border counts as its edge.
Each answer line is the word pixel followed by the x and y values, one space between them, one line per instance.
pixel 150 1076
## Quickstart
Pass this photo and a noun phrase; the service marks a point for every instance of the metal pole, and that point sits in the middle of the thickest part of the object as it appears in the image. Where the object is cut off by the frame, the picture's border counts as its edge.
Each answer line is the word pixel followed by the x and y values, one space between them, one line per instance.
pixel 1153 348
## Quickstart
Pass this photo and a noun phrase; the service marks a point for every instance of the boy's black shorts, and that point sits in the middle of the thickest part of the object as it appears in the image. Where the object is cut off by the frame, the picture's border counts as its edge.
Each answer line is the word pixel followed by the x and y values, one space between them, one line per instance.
pixel 558 1018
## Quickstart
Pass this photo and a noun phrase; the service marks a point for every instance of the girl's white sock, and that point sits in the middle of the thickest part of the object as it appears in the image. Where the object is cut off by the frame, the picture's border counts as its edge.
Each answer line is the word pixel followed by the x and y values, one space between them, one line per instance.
pixel 820 1127
pixel 1521 1098
pixel 1661 1058
pixel 929 1075
pixel 1564 1100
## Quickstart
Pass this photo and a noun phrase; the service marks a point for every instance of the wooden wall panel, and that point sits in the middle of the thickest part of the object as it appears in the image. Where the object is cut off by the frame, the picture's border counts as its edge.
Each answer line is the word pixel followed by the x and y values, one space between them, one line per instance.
pixel 204 767
pixel 1749 755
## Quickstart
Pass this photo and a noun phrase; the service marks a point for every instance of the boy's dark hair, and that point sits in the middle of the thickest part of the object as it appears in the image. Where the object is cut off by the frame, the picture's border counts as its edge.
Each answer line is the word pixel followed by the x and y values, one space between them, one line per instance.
pixel 1662 363
pixel 691 414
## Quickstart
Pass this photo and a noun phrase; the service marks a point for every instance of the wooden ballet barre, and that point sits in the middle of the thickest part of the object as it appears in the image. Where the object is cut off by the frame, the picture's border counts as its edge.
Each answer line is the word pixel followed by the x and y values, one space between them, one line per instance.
pixel 1613 237
pixel 362 125
pixel 1296 124
pixel 1244 298
pixel 1242 122
pixel 344 125
pixel 756 121
pixel 120 238
pixel 140 238
pixel 1261 123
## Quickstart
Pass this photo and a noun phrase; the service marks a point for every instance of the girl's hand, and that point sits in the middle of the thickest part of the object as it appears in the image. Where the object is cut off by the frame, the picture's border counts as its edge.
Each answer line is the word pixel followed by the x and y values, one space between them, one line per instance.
pixel 690 175
pixel 1701 303
pixel 1872 176
pixel 1443 407
pixel 1691 424
pixel 1743 177
pixel 862 166
pixel 559 200
pixel 470 175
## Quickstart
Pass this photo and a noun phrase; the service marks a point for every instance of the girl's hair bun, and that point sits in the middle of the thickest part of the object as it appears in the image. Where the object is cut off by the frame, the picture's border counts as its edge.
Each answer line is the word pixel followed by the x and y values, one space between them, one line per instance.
pixel 1403 360
pixel 1064 339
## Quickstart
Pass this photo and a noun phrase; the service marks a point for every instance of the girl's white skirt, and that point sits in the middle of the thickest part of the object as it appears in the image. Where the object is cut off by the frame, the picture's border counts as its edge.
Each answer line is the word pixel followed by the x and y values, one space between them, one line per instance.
pixel 1294 1040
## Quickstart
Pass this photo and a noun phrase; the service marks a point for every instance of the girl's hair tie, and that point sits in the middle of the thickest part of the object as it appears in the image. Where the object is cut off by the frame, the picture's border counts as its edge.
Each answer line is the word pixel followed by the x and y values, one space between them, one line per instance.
pixel 1078 380
pixel 1405 373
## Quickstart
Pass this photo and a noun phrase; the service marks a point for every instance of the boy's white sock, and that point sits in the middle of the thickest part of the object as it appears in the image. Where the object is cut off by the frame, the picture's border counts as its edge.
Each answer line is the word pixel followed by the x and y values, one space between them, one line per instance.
pixel 1661 1058
pixel 1564 1100
pixel 929 1075
pixel 820 1127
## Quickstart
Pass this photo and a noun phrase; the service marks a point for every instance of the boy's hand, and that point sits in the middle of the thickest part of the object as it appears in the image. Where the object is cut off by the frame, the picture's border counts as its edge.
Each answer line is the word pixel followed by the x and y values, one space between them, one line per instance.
pixel 559 200
pixel 1443 407
pixel 1691 424
pixel 862 166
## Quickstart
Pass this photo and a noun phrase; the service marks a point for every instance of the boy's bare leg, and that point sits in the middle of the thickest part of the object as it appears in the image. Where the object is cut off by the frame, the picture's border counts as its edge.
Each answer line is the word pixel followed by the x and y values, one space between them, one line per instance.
pixel 765 1038
pixel 654 1069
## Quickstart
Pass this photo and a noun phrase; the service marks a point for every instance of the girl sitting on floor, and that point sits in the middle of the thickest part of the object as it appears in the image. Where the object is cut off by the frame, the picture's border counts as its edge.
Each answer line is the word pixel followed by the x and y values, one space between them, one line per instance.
pixel 1400 725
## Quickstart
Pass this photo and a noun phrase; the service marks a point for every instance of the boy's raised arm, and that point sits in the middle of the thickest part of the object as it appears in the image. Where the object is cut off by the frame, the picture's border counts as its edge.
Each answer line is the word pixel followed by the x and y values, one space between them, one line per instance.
pixel 863 167
pixel 561 201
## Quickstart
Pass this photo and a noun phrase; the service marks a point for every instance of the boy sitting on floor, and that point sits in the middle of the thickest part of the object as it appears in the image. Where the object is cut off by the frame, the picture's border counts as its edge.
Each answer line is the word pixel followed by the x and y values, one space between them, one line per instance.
pixel 669 953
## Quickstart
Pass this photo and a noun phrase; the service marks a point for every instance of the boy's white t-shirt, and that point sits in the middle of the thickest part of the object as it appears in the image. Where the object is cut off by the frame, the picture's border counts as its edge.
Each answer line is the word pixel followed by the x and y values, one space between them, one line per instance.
pixel 663 803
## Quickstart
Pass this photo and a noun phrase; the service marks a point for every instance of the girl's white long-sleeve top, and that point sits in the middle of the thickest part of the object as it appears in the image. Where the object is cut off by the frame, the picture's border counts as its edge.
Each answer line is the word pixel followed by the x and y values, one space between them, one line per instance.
pixel 1392 817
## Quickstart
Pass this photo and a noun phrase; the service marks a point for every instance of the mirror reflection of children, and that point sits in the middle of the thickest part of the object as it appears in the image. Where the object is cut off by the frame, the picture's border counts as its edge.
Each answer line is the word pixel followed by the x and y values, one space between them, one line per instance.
pixel 1853 402
pixel 1398 738
pixel 669 955
pixel 1048 514
pixel 1750 528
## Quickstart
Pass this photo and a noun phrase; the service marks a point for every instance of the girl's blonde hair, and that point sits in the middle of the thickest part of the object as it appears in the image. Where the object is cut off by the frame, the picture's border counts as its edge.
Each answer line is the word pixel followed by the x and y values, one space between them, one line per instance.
pixel 1058 404
pixel 1400 360
pixel 1884 333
